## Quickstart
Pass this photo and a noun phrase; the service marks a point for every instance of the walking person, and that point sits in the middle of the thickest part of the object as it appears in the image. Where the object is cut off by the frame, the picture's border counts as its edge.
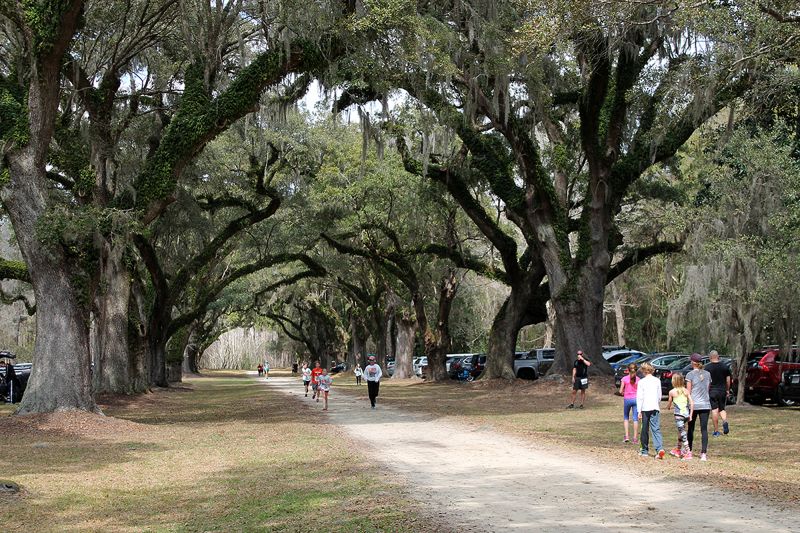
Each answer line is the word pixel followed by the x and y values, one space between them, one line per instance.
pixel 316 372
pixel 373 374
pixel 721 380
pixel 684 407
pixel 627 388
pixel 306 372
pixel 266 369
pixel 260 370
pixel 580 379
pixel 358 373
pixel 698 383
pixel 648 403
pixel 324 381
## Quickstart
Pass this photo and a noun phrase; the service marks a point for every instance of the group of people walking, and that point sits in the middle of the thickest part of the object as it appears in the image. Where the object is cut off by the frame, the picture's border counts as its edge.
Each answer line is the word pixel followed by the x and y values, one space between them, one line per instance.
pixel 320 381
pixel 698 396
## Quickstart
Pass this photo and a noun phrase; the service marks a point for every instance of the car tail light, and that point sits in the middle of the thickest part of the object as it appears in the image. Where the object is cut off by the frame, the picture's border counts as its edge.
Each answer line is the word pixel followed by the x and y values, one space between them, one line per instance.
pixel 763 367
pixel 667 374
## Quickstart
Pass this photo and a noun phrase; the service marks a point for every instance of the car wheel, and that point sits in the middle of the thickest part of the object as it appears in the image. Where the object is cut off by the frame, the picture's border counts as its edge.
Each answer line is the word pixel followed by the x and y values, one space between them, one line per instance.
pixel 526 373
pixel 755 400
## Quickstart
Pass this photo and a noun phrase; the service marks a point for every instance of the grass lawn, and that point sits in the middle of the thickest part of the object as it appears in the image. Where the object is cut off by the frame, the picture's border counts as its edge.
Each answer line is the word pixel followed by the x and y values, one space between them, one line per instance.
pixel 761 455
pixel 219 453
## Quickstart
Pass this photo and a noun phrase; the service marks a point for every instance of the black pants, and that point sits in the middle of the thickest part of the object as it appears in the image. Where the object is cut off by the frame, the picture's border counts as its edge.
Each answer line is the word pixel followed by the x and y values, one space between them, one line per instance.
pixel 703 414
pixel 372 390
pixel 358 380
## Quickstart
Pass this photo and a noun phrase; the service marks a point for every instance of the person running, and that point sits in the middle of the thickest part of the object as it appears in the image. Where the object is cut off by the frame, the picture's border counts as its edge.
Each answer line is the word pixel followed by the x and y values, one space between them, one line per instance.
pixel 266 369
pixel 627 388
pixel 358 373
pixel 260 370
pixel 684 406
pixel 316 372
pixel 721 380
pixel 373 374
pixel 580 379
pixel 648 403
pixel 324 381
pixel 698 383
pixel 306 372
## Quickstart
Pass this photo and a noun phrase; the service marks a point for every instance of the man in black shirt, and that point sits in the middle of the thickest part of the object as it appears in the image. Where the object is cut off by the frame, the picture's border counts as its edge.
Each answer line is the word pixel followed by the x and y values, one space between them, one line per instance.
pixel 580 379
pixel 718 392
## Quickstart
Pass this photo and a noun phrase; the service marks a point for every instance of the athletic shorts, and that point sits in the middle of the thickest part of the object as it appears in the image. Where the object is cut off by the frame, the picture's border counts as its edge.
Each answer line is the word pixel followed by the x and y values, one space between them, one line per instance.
pixel 314 386
pixel 628 406
pixel 718 399
pixel 579 384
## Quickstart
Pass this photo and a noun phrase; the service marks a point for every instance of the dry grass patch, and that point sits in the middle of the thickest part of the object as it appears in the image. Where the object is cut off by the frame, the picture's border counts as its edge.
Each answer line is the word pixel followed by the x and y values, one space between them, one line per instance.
pixel 220 454
pixel 761 455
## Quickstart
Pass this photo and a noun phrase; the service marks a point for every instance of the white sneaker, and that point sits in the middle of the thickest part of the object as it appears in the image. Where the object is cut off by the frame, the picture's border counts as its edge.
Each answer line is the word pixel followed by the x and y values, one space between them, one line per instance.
pixel 703 457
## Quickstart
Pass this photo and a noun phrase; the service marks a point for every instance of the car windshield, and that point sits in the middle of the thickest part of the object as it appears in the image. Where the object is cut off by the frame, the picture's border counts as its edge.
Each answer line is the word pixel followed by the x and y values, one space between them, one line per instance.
pixel 618 357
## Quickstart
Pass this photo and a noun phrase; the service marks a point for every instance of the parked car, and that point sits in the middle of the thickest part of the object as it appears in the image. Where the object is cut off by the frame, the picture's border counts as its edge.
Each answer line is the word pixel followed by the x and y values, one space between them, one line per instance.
pixel 789 387
pixel 22 372
pixel 532 364
pixel 622 370
pixel 390 366
pixel 460 363
pixel 764 374
pixel 477 363
pixel 419 364
pixel 621 358
pixel 338 367
pixel 664 366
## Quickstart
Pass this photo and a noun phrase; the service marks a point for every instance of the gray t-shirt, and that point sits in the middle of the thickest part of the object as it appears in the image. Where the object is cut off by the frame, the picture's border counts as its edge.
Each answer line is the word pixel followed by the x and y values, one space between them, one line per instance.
pixel 701 381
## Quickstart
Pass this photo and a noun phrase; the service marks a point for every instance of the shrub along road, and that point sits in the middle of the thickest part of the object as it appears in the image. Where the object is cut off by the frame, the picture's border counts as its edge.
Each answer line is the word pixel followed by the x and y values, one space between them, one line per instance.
pixel 478 479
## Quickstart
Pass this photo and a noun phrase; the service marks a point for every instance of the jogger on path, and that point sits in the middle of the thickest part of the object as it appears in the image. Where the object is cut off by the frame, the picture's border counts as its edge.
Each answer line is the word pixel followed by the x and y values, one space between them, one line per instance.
pixel 373 374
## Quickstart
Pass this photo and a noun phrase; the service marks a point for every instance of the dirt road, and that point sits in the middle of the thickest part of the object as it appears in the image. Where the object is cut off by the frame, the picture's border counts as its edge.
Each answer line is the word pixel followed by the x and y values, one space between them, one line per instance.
pixel 481 480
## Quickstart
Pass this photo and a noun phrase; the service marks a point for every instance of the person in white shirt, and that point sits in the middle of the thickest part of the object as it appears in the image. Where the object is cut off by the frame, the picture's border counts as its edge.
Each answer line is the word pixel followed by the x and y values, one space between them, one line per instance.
pixel 373 374
pixel 306 377
pixel 648 403
pixel 358 373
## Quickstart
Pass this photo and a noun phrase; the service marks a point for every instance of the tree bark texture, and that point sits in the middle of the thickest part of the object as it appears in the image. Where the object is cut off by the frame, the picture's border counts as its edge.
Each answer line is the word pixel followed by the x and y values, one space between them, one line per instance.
pixel 112 369
pixel 405 340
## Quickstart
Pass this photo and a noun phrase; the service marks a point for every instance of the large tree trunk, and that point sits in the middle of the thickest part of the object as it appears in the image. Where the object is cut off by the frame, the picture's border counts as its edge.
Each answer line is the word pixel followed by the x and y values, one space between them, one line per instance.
pixel 61 376
pixel 503 335
pixel 191 354
pixel 619 314
pixel 437 348
pixel 358 343
pixel 112 370
pixel 579 326
pixel 405 340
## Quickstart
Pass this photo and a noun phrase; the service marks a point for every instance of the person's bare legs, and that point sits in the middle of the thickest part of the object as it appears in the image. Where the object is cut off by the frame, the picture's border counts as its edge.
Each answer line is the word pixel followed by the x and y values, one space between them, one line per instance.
pixel 572 398
pixel 625 424
pixel 583 397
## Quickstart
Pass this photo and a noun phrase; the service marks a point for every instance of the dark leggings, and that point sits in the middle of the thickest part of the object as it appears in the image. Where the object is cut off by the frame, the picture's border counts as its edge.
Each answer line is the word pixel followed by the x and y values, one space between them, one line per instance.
pixel 703 414
pixel 372 390
pixel 358 380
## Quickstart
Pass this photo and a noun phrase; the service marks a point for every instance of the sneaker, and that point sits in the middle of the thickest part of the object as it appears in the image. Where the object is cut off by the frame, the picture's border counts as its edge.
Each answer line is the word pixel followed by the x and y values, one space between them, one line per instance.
pixel 725 428
pixel 626 440
pixel 306 395
pixel 716 434
pixel 635 440
pixel 580 406
pixel 661 454
pixel 675 452
pixel 317 400
pixel 703 457
pixel 570 406
pixel 687 456
pixel 643 453
pixel 373 407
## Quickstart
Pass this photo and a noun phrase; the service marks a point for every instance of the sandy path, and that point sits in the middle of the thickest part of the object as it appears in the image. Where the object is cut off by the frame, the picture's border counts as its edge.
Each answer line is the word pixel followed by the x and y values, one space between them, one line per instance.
pixel 481 480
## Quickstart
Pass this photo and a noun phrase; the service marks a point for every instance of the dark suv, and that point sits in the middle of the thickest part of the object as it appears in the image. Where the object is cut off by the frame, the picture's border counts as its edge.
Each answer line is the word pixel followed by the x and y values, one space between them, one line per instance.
pixel 477 363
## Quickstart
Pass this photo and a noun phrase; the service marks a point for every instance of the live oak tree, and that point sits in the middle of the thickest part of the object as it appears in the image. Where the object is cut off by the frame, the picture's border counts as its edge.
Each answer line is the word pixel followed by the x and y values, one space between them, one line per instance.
pixel 562 108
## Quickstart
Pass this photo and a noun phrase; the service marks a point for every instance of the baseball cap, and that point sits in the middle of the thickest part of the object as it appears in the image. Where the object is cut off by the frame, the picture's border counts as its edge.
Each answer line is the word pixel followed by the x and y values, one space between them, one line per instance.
pixel 696 358
pixel 371 358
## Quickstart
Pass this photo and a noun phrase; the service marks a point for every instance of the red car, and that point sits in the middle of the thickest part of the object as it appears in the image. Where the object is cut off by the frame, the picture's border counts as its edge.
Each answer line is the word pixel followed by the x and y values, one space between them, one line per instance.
pixel 765 368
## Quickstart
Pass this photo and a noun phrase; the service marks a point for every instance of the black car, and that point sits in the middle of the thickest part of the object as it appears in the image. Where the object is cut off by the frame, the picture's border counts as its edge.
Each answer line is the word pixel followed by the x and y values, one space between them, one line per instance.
pixel 477 364
pixel 622 371
pixel 789 388
pixel 22 372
